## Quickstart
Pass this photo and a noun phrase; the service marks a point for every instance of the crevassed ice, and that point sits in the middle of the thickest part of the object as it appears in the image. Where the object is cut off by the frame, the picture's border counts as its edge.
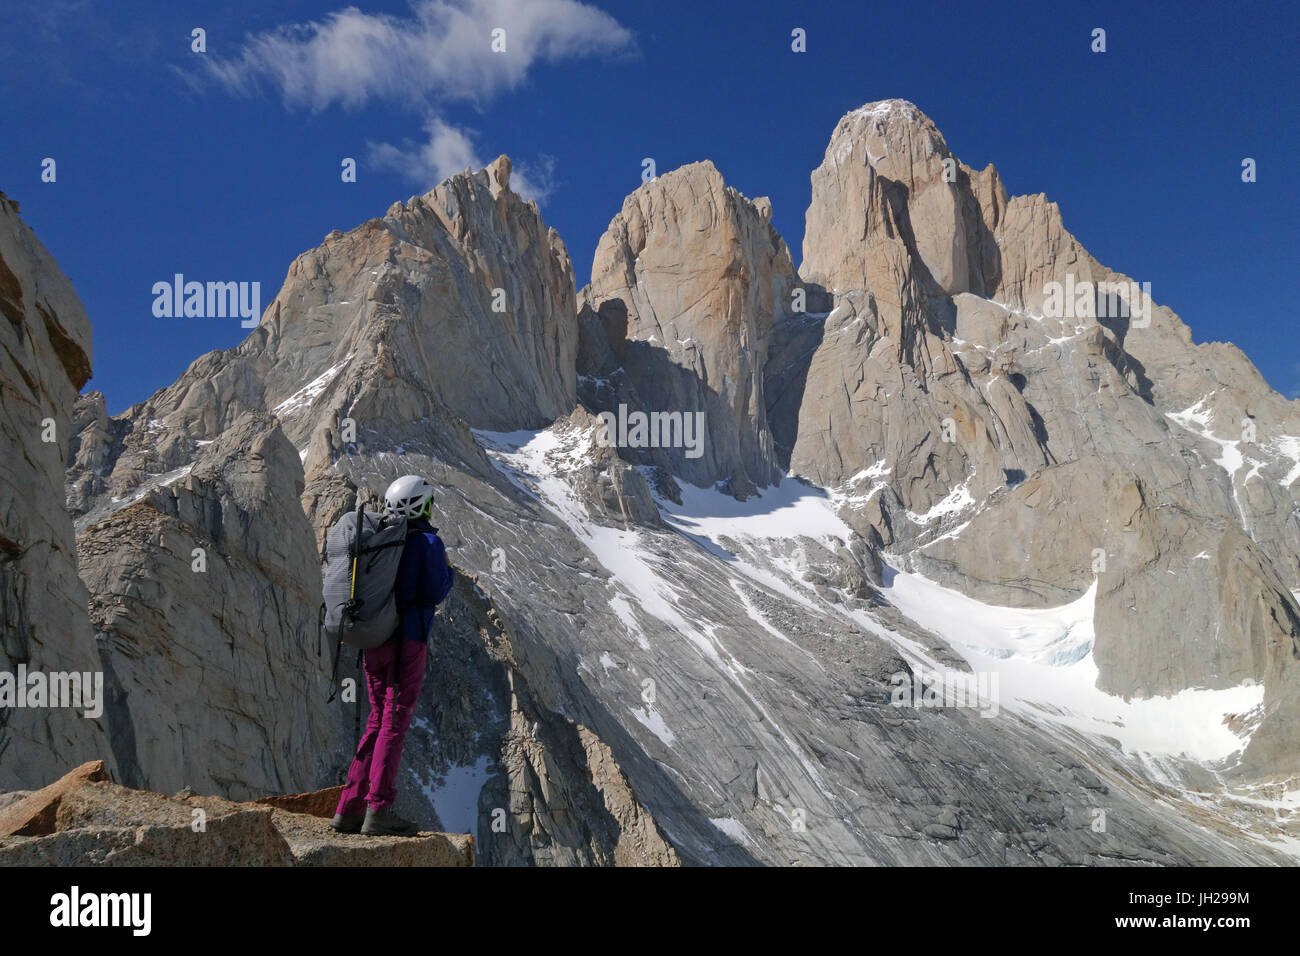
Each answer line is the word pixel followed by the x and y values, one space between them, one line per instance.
pixel 1044 661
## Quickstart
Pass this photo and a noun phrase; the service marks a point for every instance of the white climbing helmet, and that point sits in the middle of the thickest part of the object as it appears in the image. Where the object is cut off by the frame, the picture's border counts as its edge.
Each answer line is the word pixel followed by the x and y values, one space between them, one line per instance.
pixel 410 496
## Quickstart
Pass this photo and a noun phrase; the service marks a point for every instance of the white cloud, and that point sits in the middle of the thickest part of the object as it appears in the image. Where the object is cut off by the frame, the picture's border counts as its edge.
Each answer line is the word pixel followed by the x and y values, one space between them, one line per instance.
pixel 442 51
pixel 450 150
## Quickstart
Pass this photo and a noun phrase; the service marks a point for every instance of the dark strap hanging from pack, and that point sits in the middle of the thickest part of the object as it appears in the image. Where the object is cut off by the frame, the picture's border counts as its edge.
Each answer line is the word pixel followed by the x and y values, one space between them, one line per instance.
pixel 334 673
pixel 334 665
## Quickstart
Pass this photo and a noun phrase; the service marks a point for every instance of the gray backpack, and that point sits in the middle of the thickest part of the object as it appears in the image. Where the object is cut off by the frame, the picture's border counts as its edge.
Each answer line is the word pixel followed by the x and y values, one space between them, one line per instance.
pixel 360 608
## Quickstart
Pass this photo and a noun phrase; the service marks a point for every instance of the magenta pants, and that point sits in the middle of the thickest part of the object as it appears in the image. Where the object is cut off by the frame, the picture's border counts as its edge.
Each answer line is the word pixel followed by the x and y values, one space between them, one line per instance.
pixel 372 779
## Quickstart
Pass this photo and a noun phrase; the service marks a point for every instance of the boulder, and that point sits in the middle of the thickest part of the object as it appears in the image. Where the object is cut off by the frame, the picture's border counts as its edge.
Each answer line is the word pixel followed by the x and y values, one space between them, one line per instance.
pixel 35 813
pixel 103 824
pixel 318 803
pixel 313 843
pixel 85 820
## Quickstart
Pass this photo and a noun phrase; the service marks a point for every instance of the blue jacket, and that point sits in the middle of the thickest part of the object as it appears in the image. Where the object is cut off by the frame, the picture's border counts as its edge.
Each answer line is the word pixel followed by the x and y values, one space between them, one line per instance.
pixel 423 579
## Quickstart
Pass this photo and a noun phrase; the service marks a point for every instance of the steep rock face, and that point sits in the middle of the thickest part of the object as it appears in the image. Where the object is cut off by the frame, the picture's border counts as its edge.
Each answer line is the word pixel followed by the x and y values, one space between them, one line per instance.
pixel 204 594
pixel 46 357
pixel 753 708
pixel 892 239
pixel 632 671
pixel 1016 454
pixel 367 393
pixel 96 442
pixel 884 217
pixel 685 285
pixel 462 296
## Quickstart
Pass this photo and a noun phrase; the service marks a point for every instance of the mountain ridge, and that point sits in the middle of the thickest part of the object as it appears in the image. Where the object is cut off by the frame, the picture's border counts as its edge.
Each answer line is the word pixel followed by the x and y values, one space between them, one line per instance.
pixel 941 435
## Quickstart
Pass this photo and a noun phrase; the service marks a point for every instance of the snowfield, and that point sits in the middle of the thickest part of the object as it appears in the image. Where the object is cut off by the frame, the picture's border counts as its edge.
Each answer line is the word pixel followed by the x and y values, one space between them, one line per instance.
pixel 1044 661
pixel 791 509
pixel 1039 662
pixel 1043 658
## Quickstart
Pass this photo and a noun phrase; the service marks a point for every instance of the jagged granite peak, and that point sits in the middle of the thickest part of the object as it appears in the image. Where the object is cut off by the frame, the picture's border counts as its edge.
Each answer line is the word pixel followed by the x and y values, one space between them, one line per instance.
pixel 685 285
pixel 887 201
pixel 45 358
pixel 735 650
pixel 1018 456
pixel 464 293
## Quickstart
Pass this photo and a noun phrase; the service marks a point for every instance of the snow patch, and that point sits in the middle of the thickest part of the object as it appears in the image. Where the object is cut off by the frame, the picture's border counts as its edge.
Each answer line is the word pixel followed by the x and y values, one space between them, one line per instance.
pixel 1198 420
pixel 789 510
pixel 955 502
pixel 734 829
pixel 1044 661
pixel 1288 446
pixel 653 721
pixel 160 481
pixel 623 611
pixel 309 392
pixel 456 799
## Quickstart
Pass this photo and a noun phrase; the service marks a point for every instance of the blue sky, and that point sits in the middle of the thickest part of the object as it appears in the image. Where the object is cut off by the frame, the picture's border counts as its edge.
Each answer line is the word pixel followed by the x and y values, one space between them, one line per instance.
pixel 225 165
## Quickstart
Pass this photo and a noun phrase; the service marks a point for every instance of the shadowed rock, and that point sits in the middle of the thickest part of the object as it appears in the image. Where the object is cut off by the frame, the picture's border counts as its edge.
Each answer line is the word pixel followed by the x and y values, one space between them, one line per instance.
pixel 205 597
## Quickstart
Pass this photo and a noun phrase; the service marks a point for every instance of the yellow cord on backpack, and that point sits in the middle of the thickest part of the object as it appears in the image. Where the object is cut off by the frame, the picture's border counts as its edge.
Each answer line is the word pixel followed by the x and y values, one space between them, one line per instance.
pixel 356 555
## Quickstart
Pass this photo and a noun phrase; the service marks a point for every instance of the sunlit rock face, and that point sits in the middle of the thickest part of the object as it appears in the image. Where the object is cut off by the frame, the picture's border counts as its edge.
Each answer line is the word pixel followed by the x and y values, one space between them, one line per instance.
pixel 921 472
pixel 45 358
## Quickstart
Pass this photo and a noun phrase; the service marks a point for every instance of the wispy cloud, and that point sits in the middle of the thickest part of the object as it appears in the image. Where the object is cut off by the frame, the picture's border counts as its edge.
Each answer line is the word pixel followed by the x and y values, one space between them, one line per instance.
pixel 450 150
pixel 443 51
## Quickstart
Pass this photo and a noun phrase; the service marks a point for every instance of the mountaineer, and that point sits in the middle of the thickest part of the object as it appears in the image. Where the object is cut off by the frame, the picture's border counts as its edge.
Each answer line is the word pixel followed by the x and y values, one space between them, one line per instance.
pixel 394 668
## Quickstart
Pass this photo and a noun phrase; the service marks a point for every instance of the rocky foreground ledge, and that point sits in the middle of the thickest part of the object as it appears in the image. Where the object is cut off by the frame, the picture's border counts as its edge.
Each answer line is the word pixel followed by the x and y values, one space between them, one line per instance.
pixel 85 819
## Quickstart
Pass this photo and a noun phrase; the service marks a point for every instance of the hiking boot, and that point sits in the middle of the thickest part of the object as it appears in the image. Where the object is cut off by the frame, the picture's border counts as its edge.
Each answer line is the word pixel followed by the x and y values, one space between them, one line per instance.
pixel 346 824
pixel 387 823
